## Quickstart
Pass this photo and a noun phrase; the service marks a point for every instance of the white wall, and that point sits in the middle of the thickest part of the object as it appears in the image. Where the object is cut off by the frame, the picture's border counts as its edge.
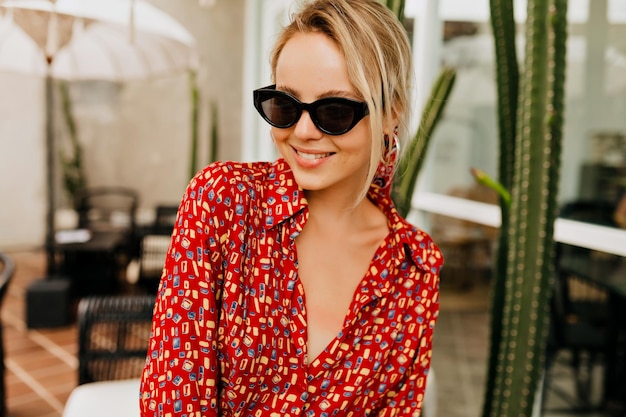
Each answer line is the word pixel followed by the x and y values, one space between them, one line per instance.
pixel 22 162
pixel 136 134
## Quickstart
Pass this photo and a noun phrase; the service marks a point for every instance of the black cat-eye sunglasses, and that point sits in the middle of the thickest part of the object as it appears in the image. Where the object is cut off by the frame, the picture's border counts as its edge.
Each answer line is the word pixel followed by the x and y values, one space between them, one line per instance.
pixel 332 115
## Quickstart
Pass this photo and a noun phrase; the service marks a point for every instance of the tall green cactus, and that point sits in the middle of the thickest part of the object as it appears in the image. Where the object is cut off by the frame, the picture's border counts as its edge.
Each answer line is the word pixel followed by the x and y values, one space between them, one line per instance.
pixel 531 121
pixel 396 6
pixel 412 159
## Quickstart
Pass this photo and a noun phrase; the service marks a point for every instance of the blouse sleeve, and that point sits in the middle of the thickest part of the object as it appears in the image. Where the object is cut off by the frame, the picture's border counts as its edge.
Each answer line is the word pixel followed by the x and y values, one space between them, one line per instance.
pixel 408 399
pixel 181 373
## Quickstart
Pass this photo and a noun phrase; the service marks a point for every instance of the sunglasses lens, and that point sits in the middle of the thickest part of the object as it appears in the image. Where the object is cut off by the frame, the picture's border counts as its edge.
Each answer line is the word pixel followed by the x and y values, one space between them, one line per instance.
pixel 335 117
pixel 280 110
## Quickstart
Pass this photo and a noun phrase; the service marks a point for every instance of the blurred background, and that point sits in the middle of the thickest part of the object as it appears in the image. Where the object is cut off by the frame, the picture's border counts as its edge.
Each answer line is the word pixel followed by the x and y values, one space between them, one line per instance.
pixel 141 130
pixel 141 94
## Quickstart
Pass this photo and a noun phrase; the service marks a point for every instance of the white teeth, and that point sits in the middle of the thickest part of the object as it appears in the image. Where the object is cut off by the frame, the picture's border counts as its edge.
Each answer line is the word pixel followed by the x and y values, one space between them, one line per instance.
pixel 312 155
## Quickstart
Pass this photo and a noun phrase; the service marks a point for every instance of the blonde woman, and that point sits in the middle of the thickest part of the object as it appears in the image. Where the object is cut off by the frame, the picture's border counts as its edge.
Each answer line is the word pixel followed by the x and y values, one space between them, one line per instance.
pixel 293 287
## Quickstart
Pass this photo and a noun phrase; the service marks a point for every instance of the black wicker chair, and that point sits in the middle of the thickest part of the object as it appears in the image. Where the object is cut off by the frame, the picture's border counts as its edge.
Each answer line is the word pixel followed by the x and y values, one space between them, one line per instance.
pixel 7 268
pixel 106 208
pixel 165 219
pixel 113 334
pixel 110 209
pixel 153 251
pixel 153 248
pixel 579 318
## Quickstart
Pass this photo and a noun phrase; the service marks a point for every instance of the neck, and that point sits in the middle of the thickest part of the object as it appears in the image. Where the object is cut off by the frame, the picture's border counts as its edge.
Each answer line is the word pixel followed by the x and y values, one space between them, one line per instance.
pixel 336 204
pixel 340 213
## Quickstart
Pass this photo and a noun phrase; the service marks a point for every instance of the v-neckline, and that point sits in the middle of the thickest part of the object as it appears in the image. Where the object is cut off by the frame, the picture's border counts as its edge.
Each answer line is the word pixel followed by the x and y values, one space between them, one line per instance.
pixel 316 365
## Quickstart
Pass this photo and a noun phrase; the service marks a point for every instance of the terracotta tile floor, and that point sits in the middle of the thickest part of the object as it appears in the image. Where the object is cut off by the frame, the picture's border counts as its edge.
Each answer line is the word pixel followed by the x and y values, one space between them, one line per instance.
pixel 41 364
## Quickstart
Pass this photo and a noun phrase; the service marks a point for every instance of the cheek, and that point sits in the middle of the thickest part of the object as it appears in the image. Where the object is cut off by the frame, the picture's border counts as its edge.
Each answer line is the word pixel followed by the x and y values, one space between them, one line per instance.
pixel 279 135
pixel 360 140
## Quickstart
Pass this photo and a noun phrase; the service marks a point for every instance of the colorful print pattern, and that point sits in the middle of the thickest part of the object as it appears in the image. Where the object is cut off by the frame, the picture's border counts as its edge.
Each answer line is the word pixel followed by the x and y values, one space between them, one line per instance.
pixel 229 329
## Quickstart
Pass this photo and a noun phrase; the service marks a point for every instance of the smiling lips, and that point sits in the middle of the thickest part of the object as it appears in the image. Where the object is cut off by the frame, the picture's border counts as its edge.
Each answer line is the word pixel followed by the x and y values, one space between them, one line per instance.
pixel 312 156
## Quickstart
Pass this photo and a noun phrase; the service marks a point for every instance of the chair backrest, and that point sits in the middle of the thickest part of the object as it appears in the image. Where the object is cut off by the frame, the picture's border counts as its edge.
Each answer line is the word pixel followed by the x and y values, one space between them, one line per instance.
pixel 592 211
pixel 107 208
pixel 577 301
pixel 151 260
pixel 7 269
pixel 165 219
pixel 588 211
pixel 113 335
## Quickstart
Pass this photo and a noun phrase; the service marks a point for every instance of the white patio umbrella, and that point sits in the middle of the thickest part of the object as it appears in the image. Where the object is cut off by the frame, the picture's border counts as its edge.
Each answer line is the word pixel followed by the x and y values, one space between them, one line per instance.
pixel 112 40
pixel 97 51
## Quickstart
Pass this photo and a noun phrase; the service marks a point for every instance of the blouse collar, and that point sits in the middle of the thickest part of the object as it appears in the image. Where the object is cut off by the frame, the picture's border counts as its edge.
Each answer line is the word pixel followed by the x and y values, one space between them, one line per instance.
pixel 284 200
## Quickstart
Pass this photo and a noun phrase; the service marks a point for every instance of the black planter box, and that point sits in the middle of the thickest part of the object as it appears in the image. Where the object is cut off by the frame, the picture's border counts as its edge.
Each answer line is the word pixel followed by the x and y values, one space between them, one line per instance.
pixel 48 302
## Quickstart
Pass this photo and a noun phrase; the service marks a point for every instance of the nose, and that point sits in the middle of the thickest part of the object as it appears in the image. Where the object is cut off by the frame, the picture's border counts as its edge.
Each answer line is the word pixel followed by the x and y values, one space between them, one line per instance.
pixel 305 128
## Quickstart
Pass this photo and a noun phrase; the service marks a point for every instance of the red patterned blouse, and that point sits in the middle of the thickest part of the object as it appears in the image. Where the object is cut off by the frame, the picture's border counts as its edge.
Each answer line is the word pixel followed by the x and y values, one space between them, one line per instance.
pixel 229 330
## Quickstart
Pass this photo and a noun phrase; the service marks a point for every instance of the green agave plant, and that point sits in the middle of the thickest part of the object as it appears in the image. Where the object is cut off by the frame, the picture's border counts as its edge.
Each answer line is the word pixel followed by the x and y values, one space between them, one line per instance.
pixel 72 168
pixel 213 134
pixel 213 128
pixel 195 99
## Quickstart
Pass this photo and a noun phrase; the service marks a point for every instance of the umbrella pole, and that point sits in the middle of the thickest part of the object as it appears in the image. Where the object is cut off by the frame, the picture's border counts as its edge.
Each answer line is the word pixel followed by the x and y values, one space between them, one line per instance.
pixel 50 252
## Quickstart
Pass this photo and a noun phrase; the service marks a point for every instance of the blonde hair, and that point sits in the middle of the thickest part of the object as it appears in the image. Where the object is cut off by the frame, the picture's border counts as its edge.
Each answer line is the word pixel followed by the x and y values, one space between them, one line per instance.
pixel 378 57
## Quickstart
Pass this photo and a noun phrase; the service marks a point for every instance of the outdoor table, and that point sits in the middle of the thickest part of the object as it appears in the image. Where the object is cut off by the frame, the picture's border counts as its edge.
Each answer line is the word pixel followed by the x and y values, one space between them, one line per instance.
pixel 92 263
pixel 609 273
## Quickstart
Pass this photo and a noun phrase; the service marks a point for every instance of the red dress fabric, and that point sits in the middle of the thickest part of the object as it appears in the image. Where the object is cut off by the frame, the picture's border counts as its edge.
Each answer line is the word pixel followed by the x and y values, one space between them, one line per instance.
pixel 229 335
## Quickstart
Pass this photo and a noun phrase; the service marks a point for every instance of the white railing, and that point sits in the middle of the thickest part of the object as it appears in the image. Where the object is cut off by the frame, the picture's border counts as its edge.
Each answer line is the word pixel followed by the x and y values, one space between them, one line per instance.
pixel 586 235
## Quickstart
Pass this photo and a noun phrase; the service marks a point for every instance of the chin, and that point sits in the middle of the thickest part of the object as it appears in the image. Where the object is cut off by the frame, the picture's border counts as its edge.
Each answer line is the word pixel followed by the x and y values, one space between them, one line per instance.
pixel 310 185
pixel 309 182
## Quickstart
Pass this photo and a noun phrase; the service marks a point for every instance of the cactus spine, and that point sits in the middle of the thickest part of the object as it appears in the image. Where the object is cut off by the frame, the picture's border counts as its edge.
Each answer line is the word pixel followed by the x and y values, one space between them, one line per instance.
pixel 530 146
